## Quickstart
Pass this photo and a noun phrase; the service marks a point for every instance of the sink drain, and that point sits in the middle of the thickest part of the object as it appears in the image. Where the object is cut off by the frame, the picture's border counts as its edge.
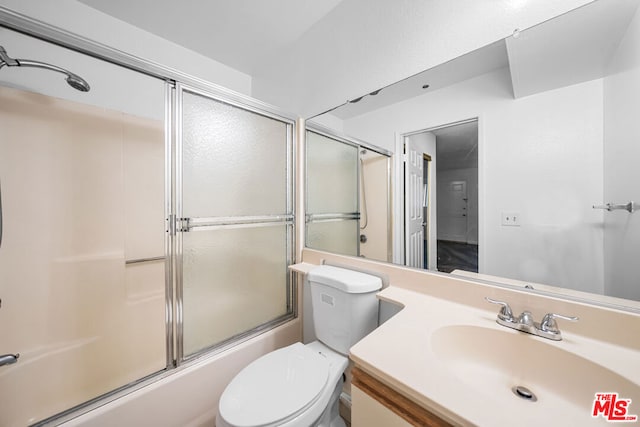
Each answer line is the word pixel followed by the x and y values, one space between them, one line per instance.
pixel 524 393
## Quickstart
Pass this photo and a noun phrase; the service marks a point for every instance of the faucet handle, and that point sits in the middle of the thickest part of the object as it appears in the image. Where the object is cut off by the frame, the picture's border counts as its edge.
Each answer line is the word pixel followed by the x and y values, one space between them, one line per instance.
pixel 526 318
pixel 549 324
pixel 505 312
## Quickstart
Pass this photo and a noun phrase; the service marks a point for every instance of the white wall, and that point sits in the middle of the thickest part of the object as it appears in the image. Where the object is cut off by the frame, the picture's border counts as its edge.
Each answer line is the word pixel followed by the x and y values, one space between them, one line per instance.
pixel 85 21
pixel 363 45
pixel 540 156
pixel 329 121
pixel 621 166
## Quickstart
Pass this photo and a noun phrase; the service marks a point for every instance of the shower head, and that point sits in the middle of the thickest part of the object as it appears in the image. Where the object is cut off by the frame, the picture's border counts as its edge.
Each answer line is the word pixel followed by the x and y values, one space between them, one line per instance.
pixel 77 82
pixel 74 80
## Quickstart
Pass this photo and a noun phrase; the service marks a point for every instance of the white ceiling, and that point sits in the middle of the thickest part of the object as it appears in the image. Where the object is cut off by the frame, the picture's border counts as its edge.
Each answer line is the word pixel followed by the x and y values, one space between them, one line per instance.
pixel 572 48
pixel 238 33
pixel 457 146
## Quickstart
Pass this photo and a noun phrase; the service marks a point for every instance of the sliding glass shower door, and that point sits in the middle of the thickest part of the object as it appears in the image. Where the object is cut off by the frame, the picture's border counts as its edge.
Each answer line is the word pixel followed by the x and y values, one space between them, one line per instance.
pixel 235 219
pixel 142 223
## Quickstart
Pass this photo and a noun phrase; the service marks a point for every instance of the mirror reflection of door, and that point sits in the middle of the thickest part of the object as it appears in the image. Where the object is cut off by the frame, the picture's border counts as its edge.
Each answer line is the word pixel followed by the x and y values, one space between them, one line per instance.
pixel 444 211
pixel 453 205
pixel 426 161
pixel 415 148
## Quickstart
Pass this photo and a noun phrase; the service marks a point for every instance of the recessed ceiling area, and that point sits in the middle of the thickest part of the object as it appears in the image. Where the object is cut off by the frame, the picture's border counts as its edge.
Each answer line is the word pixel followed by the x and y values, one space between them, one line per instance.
pixel 237 33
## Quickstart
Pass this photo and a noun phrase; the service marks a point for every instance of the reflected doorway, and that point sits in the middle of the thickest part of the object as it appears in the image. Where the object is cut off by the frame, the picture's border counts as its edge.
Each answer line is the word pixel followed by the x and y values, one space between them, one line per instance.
pixel 441 213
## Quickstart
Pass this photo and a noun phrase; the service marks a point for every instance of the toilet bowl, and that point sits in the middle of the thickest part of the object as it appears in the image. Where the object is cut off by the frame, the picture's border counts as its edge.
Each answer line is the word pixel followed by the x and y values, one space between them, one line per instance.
pixel 300 385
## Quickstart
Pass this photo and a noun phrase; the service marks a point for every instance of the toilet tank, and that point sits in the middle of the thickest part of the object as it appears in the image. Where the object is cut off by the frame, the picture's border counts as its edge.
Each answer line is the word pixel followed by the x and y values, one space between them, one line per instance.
pixel 345 307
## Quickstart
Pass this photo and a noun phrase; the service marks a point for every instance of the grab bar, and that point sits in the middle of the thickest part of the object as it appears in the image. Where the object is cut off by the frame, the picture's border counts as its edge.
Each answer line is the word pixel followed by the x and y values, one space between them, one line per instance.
pixel 629 207
pixel 139 260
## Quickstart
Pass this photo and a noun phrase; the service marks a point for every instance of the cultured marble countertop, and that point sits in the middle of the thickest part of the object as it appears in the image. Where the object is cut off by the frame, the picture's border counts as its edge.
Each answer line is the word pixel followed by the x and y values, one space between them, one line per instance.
pixel 420 354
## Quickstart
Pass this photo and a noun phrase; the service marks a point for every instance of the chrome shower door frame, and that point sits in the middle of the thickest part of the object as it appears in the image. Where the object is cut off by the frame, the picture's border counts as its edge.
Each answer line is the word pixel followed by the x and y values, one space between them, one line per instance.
pixel 180 224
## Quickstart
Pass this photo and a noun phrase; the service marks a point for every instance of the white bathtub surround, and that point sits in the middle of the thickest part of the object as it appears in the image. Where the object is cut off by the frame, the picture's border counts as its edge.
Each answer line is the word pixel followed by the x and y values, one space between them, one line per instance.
pixel 188 398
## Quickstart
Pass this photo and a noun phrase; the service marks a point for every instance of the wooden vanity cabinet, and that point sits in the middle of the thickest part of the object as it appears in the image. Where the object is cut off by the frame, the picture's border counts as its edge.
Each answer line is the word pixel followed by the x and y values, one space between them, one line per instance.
pixel 375 404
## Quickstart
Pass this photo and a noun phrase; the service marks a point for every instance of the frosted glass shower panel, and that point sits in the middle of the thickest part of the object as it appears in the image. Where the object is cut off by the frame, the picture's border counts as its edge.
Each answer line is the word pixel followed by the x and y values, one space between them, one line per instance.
pixel 340 236
pixel 332 175
pixel 235 279
pixel 234 160
pixel 235 185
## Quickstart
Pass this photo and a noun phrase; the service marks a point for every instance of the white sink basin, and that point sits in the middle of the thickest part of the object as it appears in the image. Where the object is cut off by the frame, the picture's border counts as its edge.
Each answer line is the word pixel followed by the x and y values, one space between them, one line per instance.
pixel 493 361
pixel 455 361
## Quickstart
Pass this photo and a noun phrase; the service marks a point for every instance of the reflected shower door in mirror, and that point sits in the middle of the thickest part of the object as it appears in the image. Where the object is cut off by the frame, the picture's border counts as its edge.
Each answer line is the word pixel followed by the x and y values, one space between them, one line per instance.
pixel 557 134
pixel 342 216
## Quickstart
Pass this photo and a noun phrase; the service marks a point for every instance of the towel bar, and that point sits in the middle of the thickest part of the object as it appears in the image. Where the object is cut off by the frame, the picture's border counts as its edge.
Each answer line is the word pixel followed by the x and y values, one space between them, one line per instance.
pixel 139 260
pixel 629 207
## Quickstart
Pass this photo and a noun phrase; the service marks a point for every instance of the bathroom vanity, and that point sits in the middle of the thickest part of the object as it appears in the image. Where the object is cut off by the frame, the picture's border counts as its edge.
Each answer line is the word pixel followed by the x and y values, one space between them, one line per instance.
pixel 439 362
pixel 375 403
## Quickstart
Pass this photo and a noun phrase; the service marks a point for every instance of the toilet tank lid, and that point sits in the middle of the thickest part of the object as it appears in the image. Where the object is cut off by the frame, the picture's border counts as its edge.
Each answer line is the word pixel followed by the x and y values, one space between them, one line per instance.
pixel 349 281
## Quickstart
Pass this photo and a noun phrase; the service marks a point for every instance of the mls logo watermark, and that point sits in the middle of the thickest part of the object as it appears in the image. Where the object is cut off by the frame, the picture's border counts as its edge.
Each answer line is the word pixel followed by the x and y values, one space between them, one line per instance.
pixel 612 408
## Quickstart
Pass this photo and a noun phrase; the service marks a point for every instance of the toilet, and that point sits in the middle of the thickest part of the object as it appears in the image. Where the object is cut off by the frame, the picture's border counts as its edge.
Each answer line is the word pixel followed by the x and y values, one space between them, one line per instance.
pixel 300 385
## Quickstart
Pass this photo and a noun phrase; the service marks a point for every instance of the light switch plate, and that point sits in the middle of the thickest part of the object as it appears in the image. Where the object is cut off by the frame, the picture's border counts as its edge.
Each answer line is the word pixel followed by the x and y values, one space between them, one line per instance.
pixel 511 219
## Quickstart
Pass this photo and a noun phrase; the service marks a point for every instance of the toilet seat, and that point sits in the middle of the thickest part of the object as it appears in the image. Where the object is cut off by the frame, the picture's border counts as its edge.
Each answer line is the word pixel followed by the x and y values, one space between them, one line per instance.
pixel 275 388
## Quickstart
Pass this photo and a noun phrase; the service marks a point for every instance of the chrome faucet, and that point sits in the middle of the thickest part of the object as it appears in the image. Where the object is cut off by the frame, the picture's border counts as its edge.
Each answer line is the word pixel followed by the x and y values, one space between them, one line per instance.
pixel 548 328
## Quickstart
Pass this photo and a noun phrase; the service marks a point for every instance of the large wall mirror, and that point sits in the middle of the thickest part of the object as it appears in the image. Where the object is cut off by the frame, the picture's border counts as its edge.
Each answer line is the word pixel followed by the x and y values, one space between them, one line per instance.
pixel 518 162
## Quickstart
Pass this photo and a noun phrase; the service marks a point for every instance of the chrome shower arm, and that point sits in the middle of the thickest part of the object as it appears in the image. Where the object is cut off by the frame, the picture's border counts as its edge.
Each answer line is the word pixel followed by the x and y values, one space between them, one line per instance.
pixel 6 59
pixel 36 64
pixel 74 80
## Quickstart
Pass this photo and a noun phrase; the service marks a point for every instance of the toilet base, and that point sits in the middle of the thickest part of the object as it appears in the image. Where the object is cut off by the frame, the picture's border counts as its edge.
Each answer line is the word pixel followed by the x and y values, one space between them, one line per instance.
pixel 331 415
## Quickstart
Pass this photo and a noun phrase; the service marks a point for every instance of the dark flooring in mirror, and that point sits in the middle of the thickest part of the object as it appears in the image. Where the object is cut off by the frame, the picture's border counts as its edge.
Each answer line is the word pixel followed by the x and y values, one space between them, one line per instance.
pixel 457 256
